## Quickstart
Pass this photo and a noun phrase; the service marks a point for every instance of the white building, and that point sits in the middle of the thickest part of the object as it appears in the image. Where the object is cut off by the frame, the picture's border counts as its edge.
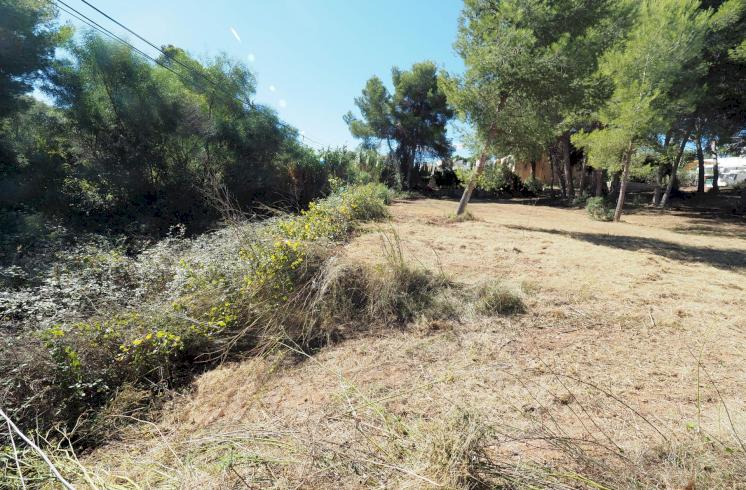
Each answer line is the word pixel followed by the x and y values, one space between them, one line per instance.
pixel 731 171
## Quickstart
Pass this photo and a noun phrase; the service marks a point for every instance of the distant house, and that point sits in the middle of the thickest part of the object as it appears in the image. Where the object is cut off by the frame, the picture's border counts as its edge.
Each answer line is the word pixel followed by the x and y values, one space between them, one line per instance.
pixel 731 171
pixel 459 162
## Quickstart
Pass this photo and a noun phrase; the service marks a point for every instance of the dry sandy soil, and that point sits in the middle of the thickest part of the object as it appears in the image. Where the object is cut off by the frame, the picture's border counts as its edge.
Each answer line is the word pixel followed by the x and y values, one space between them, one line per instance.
pixel 628 368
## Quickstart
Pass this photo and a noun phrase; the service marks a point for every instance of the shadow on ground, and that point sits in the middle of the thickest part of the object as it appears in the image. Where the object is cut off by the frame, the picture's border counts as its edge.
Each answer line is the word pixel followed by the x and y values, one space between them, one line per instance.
pixel 702 227
pixel 722 258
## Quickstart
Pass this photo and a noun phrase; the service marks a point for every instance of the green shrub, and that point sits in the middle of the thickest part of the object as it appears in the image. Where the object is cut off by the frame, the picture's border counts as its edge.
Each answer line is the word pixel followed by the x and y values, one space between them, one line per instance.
pixel 361 166
pixel 534 186
pixel 646 173
pixel 600 209
pixel 580 200
pixel 333 218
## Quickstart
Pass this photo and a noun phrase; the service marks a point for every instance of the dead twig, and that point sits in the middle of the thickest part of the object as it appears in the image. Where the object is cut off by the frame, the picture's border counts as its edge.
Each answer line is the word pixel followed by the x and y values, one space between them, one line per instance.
pixel 38 450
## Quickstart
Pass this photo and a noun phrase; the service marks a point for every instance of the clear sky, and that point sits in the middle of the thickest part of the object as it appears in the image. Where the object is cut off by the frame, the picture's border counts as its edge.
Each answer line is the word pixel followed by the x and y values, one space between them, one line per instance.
pixel 311 57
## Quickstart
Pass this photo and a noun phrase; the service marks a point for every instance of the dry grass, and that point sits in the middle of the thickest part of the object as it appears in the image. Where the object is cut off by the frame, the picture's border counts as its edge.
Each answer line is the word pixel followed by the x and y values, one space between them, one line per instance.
pixel 500 299
pixel 627 371
pixel 460 218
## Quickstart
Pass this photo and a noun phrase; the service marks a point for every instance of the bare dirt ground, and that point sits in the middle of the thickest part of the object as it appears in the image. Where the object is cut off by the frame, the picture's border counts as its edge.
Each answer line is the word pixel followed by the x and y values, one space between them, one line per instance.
pixel 633 340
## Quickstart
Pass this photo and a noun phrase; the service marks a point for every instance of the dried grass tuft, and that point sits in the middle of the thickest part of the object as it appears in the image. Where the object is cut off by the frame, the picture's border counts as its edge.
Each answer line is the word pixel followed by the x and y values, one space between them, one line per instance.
pixel 460 218
pixel 499 299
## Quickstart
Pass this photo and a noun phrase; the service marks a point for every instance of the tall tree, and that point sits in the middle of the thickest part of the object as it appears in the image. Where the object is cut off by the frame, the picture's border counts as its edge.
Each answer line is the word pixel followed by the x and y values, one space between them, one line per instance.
pixel 530 55
pixel 28 37
pixel 721 111
pixel 663 49
pixel 35 141
pixel 147 140
pixel 412 121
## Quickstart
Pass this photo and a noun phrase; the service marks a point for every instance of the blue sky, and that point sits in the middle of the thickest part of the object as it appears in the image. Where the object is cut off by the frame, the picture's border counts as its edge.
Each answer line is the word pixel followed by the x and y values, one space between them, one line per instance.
pixel 311 57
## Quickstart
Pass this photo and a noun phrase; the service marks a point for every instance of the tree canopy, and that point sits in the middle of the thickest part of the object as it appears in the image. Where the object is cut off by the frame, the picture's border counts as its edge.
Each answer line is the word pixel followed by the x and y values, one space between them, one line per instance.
pixel 531 70
pixel 136 144
pixel 27 42
pixel 412 121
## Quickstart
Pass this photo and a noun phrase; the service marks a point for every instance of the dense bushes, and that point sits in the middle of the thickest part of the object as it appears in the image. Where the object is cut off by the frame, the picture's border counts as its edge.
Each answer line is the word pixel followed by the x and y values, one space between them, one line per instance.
pixel 534 186
pixel 149 321
pixel 362 166
pixel 135 147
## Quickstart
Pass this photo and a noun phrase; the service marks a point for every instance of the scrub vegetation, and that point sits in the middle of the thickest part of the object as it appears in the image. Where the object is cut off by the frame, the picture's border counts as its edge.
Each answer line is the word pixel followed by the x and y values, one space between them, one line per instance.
pixel 193 297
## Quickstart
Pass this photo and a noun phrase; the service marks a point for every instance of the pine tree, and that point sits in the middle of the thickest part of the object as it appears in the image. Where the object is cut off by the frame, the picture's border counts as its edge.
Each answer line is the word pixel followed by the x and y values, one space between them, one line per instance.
pixel 664 49
pixel 531 71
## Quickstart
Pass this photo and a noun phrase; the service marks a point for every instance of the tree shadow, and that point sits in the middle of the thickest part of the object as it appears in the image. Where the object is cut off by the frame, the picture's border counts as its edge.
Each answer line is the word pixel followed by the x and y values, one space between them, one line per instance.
pixel 721 258
pixel 704 228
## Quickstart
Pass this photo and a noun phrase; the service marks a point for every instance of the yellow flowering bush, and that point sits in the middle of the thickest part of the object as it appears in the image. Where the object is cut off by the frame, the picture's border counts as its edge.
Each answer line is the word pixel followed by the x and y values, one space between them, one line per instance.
pixel 334 217
pixel 93 358
pixel 274 268
pixel 275 264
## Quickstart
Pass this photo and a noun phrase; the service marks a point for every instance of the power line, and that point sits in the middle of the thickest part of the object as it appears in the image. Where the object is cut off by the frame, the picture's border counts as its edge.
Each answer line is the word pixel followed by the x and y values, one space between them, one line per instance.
pixel 98 27
pixel 160 50
pixel 94 25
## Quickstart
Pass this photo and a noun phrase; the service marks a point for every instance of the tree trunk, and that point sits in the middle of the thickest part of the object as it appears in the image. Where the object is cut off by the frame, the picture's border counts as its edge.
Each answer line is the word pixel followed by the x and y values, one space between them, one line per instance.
pixel 558 174
pixel 715 168
pixel 565 154
pixel 623 184
pixel 583 176
pixel 659 173
pixel 598 176
pixel 404 171
pixel 466 196
pixel 551 183
pixel 615 184
pixel 412 171
pixel 658 185
pixel 700 164
pixel 674 169
pixel 533 169
pixel 413 176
